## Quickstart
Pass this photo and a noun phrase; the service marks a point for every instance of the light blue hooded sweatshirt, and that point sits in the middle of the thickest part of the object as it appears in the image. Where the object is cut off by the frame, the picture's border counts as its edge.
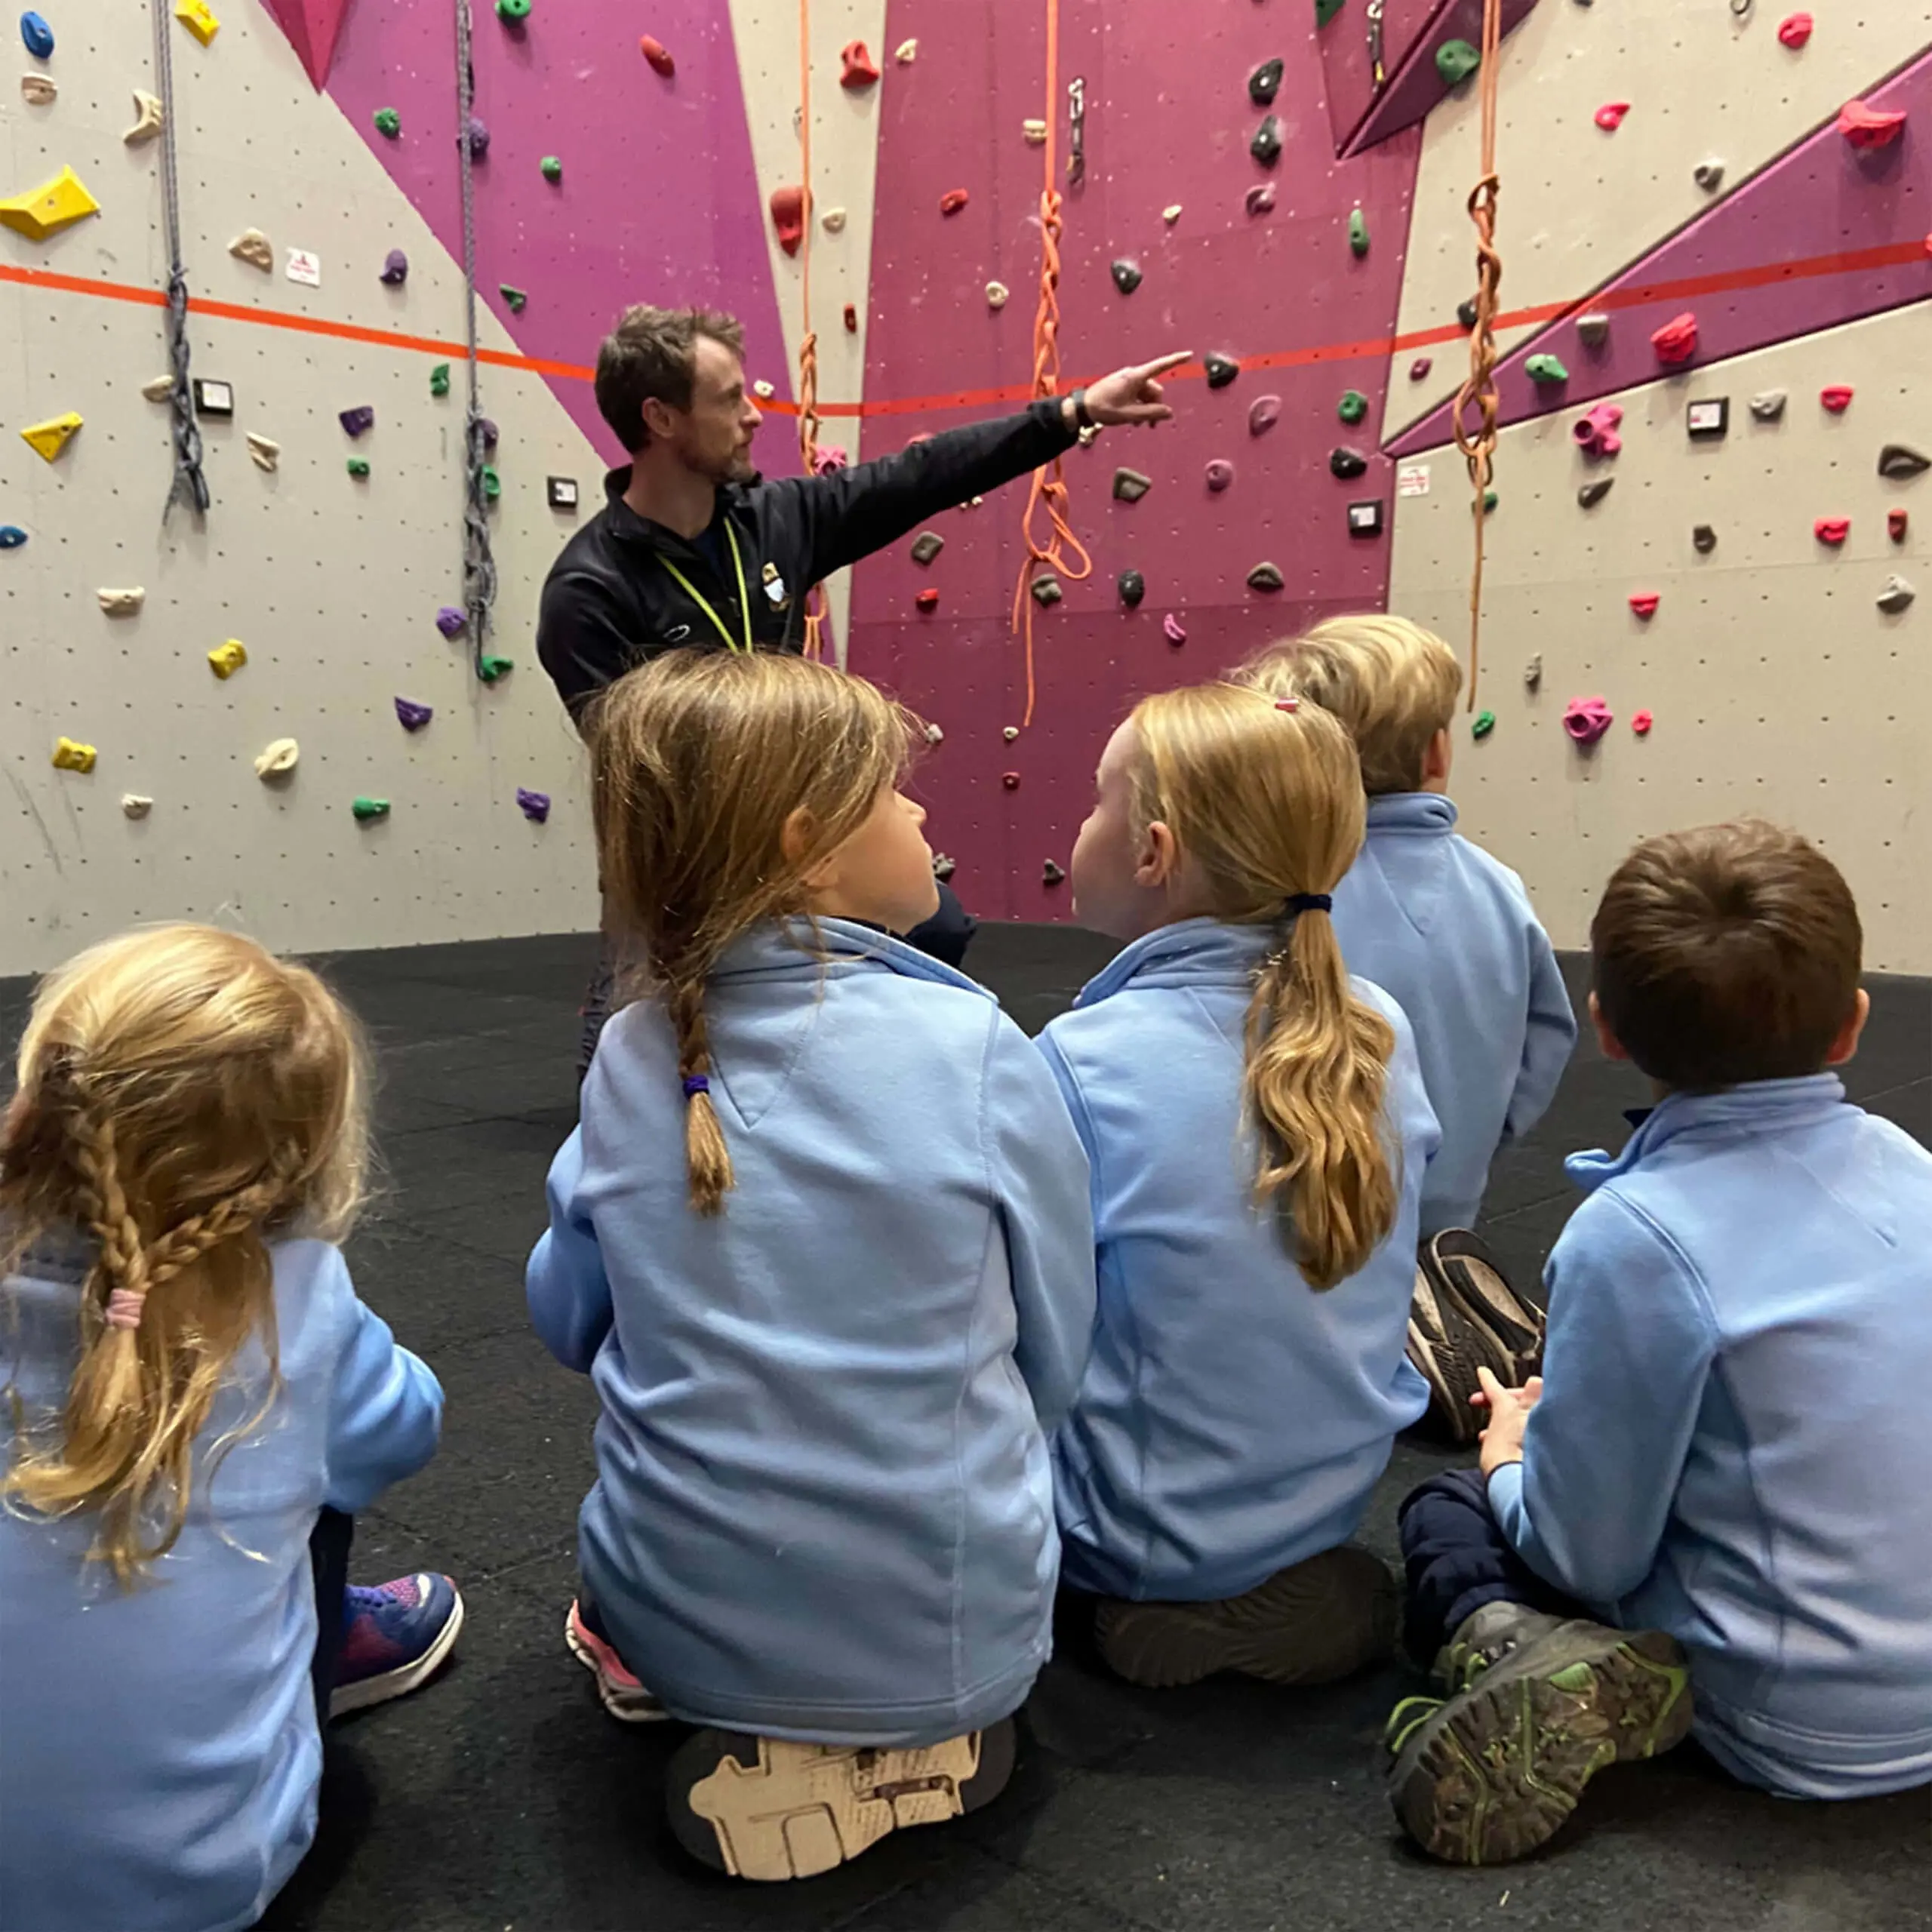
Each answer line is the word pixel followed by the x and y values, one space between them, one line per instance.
pixel 159 1758
pixel 1736 1426
pixel 823 1507
pixel 1448 933
pixel 1232 1420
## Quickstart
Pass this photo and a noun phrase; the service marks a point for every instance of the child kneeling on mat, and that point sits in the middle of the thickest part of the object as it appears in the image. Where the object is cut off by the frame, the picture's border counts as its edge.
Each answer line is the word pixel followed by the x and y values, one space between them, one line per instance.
pixel 1725 1457
pixel 1258 1132
pixel 822 1240
pixel 1450 934
pixel 196 1396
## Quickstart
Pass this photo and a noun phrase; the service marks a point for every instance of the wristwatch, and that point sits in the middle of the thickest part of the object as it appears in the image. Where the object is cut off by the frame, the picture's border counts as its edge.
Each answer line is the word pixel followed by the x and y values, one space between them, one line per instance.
pixel 1082 418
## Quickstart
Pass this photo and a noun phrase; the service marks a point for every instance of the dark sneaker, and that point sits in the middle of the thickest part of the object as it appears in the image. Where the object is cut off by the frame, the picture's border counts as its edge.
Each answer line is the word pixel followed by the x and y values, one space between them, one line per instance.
pixel 395 1636
pixel 624 1698
pixel 1466 1316
pixel 1311 1623
pixel 765 1808
pixel 1492 1773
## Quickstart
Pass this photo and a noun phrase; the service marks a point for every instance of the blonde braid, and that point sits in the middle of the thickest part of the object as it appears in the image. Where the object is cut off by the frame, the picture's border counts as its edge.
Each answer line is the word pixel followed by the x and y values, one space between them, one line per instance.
pixel 123 1260
pixel 187 1241
pixel 707 1159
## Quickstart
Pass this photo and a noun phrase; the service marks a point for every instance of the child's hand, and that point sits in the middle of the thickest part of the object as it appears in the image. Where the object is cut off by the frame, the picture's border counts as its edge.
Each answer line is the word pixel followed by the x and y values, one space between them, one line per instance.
pixel 1508 1415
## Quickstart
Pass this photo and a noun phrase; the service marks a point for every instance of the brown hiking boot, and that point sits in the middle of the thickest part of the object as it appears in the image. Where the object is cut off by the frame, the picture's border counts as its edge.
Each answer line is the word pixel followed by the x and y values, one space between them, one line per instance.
pixel 1466 1316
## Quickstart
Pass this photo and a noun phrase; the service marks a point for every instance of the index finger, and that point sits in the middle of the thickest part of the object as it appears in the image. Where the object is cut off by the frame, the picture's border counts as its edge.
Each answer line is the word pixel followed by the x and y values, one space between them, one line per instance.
pixel 1490 1386
pixel 1162 364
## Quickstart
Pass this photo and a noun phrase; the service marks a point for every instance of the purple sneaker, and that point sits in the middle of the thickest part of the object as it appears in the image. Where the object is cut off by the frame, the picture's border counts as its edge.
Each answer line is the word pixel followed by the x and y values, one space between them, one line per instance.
pixel 394 1637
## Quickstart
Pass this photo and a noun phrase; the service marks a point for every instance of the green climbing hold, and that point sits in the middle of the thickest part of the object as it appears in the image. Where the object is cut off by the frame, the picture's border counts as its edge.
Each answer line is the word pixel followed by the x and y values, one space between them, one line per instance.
pixel 366 809
pixel 1484 723
pixel 1353 406
pixel 359 465
pixel 1545 369
pixel 1357 233
pixel 515 298
pixel 513 10
pixel 490 669
pixel 1488 501
pixel 439 380
pixel 551 168
pixel 389 122
pixel 1325 11
pixel 1456 60
pixel 493 484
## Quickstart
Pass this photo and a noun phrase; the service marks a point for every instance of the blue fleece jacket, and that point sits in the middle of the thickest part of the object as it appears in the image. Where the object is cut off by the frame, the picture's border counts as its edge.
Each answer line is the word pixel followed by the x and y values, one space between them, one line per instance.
pixel 159 1759
pixel 1232 1420
pixel 1448 933
pixel 823 1507
pixel 1734 1434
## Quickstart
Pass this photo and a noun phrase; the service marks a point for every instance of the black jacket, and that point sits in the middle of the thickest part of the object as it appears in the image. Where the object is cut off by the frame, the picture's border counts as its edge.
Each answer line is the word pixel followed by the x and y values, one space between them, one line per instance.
pixel 609 603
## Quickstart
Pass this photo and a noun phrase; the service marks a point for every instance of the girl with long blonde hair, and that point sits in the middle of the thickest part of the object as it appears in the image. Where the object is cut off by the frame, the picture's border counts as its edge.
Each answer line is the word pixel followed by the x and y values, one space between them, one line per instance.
pixel 822 1240
pixel 1258 1131
pixel 196 1401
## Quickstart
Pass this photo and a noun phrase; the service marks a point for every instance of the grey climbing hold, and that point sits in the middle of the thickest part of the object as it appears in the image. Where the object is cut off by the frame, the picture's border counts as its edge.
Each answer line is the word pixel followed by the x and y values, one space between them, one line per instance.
pixel 1709 175
pixel 1129 486
pixel 479 136
pixel 1046 590
pixel 1456 60
pixel 1901 460
pixel 11 536
pixel 1051 873
pixel 1264 576
pixel 1593 493
pixel 1132 586
pixel 1466 313
pixel 1767 405
pixel 395 269
pixel 411 716
pixel 943 868
pixel 535 806
pixel 926 546
pixel 450 621
pixel 1593 329
pixel 1703 539
pixel 1266 146
pixel 1896 595
pixel 1126 275
pixel 1220 474
pixel 1345 463
pixel 1221 370
pixel 1265 83
pixel 359 420
pixel 1263 412
pixel 1533 672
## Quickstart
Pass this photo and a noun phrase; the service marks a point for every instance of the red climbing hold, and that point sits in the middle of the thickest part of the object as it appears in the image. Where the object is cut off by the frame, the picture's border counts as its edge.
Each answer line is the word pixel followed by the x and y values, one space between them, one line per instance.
pixel 1795 29
pixel 1645 602
pixel 1836 397
pixel 952 200
pixel 851 320
pixel 1895 525
pixel 658 54
pixel 1610 115
pixel 1676 340
pixel 1832 529
pixel 788 216
pixel 1641 723
pixel 928 599
pixel 860 72
pixel 1868 127
pixel 1010 780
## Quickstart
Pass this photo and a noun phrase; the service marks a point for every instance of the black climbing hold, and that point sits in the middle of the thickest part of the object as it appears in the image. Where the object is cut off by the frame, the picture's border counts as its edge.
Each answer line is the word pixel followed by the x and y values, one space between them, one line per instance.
pixel 1126 275
pixel 1265 83
pixel 1593 493
pixel 1051 873
pixel 1344 462
pixel 926 546
pixel 1264 576
pixel 1266 146
pixel 1466 313
pixel 1132 586
pixel 1046 590
pixel 1900 459
pixel 1221 370
pixel 1703 539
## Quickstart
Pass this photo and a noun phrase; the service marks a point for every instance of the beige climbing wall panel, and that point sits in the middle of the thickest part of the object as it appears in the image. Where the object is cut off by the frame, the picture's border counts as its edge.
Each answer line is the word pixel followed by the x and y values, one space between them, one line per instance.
pixel 844 159
pixel 1778 686
pixel 332 584
pixel 1577 205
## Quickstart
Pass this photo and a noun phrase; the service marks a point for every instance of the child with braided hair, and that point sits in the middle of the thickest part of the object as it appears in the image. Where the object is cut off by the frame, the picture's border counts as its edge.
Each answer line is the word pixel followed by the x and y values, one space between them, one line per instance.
pixel 196 1402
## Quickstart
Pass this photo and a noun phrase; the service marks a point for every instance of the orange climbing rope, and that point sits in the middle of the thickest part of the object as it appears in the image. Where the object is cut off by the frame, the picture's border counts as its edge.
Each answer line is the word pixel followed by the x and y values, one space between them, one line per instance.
pixel 1049 487
pixel 808 340
pixel 1479 449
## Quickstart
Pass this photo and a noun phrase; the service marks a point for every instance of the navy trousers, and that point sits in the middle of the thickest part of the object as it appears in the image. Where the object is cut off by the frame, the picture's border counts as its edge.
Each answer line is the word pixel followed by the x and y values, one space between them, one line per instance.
pixel 328 1558
pixel 1457 1559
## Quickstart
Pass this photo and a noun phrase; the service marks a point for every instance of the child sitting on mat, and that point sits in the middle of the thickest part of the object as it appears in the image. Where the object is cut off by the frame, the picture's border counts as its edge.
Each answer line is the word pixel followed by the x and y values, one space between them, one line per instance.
pixel 1449 933
pixel 1726 1456
pixel 822 1240
pixel 195 1396
pixel 1258 1132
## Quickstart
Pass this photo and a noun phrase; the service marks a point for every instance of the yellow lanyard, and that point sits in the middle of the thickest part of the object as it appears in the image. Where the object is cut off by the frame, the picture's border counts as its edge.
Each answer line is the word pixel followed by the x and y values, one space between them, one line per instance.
pixel 697 596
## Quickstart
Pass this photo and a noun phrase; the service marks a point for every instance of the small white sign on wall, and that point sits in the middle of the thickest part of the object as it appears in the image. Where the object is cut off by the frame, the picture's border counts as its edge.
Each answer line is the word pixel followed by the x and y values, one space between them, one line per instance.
pixel 1412 480
pixel 305 268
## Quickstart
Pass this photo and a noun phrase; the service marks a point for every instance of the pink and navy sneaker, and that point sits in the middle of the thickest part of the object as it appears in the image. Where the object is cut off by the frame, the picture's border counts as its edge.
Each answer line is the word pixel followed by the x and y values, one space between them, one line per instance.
pixel 395 1636
pixel 624 1698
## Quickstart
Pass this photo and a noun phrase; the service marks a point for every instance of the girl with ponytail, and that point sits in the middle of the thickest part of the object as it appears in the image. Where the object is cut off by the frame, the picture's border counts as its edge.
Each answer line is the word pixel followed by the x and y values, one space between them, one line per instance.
pixel 194 1400
pixel 822 1239
pixel 1258 1131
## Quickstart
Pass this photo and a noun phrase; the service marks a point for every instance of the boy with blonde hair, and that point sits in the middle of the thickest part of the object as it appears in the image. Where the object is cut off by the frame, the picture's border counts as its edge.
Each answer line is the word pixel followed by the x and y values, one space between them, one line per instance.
pixel 1449 934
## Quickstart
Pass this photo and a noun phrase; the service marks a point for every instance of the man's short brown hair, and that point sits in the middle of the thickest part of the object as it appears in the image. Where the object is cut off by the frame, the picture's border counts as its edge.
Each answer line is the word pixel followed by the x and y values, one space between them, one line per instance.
pixel 1726 954
pixel 653 353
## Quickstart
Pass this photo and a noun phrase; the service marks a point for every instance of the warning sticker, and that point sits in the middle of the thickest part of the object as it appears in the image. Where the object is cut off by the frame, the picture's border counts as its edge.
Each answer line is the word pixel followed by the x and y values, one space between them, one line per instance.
pixel 1412 480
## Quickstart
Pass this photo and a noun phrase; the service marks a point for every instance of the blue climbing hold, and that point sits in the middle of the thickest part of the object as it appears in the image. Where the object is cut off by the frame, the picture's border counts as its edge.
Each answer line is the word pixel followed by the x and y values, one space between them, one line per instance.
pixel 11 536
pixel 39 36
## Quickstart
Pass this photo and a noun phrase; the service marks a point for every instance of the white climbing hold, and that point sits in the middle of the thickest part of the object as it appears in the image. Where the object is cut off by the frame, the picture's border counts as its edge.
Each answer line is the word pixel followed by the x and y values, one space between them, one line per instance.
pixel 136 804
pixel 1009 732
pixel 1171 213
pixel 934 736
pixel 158 389
pixel 147 124
pixel 1896 594
pixel 1593 329
pixel 38 90
pixel 122 603
pixel 997 293
pixel 253 247
pixel 1709 175
pixel 277 759
pixel 1036 133
pixel 834 219
pixel 265 450
pixel 763 390
pixel 906 53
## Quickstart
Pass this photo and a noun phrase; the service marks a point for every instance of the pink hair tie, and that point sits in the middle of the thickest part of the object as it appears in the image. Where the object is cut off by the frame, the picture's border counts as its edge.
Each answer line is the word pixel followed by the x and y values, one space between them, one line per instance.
pixel 124 1308
pixel 1287 704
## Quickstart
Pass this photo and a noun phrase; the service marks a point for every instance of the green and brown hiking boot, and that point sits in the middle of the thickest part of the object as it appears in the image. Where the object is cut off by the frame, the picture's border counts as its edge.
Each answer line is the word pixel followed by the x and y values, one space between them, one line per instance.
pixel 1538 1705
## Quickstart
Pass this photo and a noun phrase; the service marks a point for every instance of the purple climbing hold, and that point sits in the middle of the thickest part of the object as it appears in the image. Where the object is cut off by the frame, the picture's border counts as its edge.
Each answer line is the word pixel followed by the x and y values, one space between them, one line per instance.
pixel 1172 629
pixel 487 425
pixel 360 419
pixel 450 621
pixel 395 269
pixel 1263 412
pixel 413 717
pixel 1259 198
pixel 479 138
pixel 1420 366
pixel 535 806
pixel 1220 474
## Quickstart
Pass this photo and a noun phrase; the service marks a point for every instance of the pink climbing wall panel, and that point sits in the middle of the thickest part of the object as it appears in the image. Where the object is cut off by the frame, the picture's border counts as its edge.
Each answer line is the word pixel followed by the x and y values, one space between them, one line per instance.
pixel 1823 236
pixel 313 27
pixel 1168 121
pixel 658 200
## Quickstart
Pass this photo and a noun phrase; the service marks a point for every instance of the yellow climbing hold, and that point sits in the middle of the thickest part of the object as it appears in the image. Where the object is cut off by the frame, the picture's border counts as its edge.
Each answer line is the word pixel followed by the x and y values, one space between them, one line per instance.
pixel 39 212
pixel 225 659
pixel 277 757
pixel 198 17
pixel 53 435
pixel 71 756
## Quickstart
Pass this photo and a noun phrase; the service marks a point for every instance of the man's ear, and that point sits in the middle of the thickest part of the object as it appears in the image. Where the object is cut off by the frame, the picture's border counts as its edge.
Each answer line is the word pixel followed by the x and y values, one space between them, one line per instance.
pixel 1846 1044
pixel 1613 1048
pixel 658 416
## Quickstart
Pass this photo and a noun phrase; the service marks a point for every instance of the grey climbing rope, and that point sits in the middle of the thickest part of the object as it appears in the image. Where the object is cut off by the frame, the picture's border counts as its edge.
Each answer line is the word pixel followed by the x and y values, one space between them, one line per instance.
pixel 188 485
pixel 479 566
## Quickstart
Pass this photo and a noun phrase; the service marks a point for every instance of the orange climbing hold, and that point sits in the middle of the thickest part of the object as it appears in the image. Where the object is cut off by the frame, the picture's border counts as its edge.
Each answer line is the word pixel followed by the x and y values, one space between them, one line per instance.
pixel 654 50
pixel 859 72
pixel 952 200
pixel 790 206
pixel 1867 127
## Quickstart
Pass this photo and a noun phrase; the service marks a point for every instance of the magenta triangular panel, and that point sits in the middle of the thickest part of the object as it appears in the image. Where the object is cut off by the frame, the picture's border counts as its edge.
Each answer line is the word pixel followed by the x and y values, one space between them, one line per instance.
pixel 1825 234
pixel 313 27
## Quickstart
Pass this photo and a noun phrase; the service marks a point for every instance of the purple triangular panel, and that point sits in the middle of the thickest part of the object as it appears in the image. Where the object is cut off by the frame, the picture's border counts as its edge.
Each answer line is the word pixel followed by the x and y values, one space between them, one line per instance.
pixel 1823 235
pixel 313 27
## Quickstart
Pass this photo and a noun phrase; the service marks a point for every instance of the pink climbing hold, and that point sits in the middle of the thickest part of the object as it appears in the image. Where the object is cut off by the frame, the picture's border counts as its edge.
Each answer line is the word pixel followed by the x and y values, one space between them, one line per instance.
pixel 1172 630
pixel 1676 340
pixel 1868 127
pixel 1641 723
pixel 1645 602
pixel 1832 529
pixel 859 71
pixel 1220 474
pixel 1836 397
pixel 1586 719
pixel 788 216
pixel 655 52
pixel 952 200
pixel 828 458
pixel 1263 412
pixel 1610 115
pixel 1794 30
pixel 1596 433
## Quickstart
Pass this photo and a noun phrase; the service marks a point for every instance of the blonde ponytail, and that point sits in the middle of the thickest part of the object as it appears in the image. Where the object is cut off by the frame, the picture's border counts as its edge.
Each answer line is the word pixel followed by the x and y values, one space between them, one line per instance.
pixel 707 1159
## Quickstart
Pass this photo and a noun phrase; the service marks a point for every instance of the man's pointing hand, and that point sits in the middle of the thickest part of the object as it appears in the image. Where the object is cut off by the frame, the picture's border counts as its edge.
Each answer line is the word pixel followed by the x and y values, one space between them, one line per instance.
pixel 1133 395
